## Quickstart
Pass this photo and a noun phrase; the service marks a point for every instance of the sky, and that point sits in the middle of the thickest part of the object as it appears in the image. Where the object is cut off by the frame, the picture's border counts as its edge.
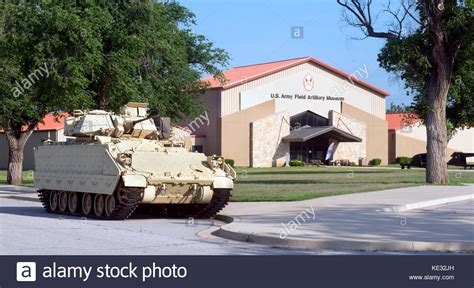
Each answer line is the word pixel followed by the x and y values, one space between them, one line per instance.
pixel 257 31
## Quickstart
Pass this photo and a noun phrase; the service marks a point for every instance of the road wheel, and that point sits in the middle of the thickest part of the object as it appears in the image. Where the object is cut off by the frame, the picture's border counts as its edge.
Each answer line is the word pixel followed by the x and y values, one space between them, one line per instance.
pixel 62 201
pixel 98 205
pixel 86 204
pixel 72 202
pixel 110 204
pixel 53 200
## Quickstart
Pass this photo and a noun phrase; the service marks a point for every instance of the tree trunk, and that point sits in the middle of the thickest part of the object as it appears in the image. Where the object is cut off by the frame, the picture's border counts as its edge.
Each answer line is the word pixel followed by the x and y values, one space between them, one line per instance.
pixel 104 89
pixel 438 88
pixel 437 139
pixel 16 144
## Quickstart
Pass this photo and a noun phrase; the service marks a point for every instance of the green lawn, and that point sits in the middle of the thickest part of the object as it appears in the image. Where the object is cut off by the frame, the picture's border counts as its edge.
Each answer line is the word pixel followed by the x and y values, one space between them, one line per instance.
pixel 301 183
pixel 28 179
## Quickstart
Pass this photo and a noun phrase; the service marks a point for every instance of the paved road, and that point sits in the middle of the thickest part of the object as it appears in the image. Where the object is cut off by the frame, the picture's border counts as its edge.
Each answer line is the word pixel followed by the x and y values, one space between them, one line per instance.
pixel 25 228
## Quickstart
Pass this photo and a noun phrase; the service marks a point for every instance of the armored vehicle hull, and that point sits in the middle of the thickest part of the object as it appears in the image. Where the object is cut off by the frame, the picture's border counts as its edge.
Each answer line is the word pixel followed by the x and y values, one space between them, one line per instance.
pixel 106 177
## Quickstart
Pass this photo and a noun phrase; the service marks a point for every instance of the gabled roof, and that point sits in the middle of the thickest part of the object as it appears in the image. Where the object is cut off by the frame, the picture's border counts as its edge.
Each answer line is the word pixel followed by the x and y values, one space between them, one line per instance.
pixel 307 133
pixel 397 121
pixel 242 74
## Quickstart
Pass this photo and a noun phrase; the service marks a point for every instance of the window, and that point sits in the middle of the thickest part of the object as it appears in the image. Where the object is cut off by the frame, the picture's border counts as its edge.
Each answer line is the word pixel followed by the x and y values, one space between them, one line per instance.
pixel 197 148
pixel 307 118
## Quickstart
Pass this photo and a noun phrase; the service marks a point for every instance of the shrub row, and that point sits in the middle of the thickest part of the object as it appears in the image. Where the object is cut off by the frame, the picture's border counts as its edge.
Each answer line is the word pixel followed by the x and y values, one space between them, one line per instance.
pixel 230 162
pixel 296 163
pixel 403 160
pixel 375 161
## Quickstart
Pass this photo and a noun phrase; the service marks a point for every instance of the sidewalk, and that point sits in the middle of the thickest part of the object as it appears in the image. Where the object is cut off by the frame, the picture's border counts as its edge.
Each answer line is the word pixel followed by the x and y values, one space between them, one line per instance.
pixel 363 221
pixel 460 169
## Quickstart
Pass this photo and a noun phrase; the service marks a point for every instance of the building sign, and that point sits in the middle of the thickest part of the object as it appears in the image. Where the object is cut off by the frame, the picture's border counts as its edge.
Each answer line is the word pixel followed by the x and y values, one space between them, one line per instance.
pixel 308 84
pixel 296 93
pixel 304 97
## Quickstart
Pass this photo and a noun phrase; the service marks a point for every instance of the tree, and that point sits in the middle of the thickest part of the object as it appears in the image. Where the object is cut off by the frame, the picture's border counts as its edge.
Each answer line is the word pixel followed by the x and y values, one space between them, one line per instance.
pixel 429 45
pixel 394 108
pixel 97 55
pixel 43 68
pixel 149 53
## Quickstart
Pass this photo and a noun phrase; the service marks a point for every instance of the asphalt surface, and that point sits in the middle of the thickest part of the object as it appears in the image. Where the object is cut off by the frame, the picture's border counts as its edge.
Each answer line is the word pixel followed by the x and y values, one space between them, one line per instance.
pixel 26 229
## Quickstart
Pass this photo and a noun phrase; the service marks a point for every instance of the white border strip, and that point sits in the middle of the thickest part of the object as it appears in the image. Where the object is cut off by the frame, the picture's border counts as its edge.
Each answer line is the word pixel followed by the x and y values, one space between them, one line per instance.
pixel 429 203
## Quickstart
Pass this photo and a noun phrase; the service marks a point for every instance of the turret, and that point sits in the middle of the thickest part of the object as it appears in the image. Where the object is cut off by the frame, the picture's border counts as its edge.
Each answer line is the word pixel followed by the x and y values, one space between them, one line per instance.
pixel 131 122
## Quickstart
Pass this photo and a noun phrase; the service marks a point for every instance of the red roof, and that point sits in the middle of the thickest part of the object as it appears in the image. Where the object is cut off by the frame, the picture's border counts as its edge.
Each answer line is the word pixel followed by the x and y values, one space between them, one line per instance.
pixel 397 121
pixel 242 74
pixel 49 123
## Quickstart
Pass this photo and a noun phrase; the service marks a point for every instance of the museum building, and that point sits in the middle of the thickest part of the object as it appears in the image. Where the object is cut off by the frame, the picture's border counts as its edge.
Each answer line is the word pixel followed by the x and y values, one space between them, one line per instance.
pixel 301 108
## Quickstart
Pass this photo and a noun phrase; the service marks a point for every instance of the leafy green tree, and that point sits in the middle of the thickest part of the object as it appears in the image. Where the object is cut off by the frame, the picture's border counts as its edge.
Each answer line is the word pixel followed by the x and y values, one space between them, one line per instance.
pixel 151 54
pixel 43 68
pixel 430 46
pixel 98 54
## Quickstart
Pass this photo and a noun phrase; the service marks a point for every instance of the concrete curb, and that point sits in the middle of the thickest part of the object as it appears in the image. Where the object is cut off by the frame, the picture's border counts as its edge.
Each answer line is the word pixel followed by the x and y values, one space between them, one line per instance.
pixel 224 218
pixel 424 204
pixel 350 245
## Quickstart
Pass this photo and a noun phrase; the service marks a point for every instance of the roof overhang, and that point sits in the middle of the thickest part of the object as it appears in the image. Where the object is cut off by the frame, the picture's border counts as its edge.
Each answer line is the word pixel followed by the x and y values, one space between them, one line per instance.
pixel 305 134
pixel 245 74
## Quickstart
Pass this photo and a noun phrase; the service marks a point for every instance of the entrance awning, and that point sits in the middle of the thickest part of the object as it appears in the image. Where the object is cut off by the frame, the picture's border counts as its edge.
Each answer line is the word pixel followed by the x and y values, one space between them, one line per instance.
pixel 306 133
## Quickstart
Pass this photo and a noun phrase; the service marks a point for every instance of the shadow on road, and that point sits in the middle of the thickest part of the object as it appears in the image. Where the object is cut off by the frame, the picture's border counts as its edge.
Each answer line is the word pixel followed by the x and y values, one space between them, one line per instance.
pixel 40 212
pixel 30 211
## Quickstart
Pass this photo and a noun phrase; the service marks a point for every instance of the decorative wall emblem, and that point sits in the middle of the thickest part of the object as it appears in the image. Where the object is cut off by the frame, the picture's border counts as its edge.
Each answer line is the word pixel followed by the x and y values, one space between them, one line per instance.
pixel 308 82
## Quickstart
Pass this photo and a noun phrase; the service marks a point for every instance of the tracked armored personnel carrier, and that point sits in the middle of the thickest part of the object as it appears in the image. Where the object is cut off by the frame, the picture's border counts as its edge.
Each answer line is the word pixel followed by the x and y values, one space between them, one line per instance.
pixel 113 163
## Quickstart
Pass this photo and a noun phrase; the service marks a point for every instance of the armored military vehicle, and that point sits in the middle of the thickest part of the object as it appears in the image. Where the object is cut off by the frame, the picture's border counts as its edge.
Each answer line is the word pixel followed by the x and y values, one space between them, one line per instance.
pixel 111 164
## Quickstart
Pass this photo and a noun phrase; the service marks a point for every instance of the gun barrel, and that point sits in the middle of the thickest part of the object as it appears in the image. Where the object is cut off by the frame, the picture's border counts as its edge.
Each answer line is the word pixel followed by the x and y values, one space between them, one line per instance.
pixel 142 120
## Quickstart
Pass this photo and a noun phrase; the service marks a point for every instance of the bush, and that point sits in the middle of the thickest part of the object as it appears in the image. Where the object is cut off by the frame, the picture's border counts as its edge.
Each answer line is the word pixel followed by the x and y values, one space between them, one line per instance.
pixel 296 163
pixel 404 160
pixel 353 164
pixel 375 162
pixel 230 162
